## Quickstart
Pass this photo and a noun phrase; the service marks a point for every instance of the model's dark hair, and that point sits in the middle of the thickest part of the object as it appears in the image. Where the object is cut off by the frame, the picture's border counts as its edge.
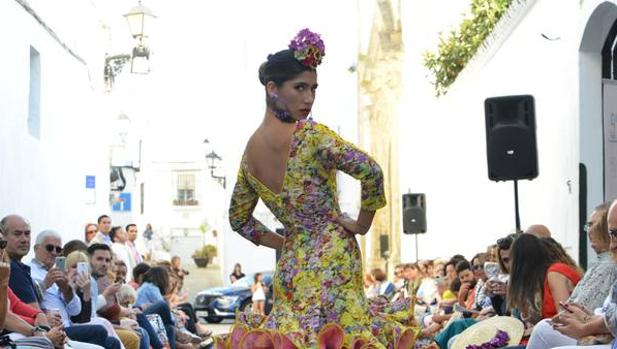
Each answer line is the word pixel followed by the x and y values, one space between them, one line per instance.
pixel 101 218
pixel 530 260
pixel 280 67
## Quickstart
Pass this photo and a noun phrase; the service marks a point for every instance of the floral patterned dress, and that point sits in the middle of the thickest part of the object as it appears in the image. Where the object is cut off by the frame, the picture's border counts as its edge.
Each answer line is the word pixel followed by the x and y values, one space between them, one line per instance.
pixel 318 288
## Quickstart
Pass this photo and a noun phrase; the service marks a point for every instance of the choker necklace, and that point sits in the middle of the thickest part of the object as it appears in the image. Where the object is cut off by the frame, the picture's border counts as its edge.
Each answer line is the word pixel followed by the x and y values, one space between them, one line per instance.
pixel 283 115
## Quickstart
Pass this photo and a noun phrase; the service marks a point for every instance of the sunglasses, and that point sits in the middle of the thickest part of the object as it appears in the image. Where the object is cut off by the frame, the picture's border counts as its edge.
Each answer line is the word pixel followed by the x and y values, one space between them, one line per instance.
pixel 91 231
pixel 504 243
pixel 3 244
pixel 612 233
pixel 50 248
pixel 476 267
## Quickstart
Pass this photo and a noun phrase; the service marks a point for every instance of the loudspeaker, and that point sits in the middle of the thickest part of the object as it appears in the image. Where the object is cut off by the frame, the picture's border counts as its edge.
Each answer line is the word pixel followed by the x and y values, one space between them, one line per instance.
pixel 384 249
pixel 414 213
pixel 511 149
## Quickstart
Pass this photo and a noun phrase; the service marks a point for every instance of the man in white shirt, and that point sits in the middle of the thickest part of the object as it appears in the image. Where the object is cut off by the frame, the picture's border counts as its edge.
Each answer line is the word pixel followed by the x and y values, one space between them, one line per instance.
pixel 102 237
pixel 132 232
pixel 58 295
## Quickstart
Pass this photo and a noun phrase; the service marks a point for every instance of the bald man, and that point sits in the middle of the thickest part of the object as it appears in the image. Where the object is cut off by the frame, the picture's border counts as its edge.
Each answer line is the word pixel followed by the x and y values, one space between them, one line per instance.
pixel 539 230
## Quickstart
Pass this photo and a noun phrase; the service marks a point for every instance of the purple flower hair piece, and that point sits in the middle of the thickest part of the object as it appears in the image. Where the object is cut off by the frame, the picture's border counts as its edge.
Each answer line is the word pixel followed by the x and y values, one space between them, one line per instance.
pixel 308 48
pixel 500 340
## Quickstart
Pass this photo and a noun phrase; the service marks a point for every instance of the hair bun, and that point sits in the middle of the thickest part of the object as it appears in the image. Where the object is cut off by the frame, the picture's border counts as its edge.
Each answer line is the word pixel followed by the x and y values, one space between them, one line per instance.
pixel 262 72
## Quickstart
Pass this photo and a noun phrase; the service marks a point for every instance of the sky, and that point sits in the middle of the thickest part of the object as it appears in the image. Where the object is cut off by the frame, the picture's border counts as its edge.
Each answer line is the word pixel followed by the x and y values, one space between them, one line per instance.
pixel 203 81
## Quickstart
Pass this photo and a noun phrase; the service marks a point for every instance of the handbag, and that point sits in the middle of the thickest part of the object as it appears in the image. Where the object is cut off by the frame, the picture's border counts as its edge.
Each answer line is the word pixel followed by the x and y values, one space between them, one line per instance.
pixel 159 327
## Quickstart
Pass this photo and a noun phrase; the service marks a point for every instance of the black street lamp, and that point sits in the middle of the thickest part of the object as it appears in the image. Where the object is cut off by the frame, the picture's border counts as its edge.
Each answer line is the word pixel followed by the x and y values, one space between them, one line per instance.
pixel 139 20
pixel 214 157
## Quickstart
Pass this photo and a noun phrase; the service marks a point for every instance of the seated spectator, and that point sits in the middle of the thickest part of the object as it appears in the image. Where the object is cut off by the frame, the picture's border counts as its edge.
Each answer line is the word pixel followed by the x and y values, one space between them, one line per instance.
pixel 138 274
pixel 596 282
pixel 384 287
pixel 74 245
pixel 120 272
pixel 58 295
pixel 128 330
pixel 90 232
pixel 537 282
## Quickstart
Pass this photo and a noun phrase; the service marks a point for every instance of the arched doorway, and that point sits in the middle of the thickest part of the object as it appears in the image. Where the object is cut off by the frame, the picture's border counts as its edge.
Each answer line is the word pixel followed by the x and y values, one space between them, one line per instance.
pixel 597 69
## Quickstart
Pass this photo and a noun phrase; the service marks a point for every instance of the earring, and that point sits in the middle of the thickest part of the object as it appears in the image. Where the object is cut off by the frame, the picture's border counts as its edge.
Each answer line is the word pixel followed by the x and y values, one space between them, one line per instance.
pixel 275 96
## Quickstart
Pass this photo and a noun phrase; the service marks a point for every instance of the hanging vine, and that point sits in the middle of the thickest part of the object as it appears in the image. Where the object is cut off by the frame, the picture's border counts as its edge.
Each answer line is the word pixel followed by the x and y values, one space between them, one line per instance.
pixel 456 49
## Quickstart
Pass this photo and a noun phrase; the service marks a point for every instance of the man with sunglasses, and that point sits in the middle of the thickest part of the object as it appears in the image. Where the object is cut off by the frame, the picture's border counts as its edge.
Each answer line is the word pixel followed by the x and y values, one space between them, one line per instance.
pixel 59 295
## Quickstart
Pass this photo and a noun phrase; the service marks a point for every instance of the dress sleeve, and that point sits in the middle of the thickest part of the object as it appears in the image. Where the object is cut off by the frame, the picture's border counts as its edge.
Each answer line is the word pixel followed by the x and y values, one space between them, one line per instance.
pixel 243 202
pixel 335 152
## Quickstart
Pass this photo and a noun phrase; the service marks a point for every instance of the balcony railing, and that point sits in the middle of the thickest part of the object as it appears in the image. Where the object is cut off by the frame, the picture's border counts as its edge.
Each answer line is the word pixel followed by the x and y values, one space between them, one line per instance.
pixel 189 202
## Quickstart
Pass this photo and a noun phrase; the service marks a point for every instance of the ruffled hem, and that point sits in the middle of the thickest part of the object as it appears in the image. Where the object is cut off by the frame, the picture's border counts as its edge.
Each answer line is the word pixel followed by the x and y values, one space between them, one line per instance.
pixel 391 328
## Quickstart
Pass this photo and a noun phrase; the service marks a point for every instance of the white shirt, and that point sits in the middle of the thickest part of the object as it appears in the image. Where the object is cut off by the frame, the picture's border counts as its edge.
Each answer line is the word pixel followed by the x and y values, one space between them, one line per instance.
pixel 53 298
pixel 123 254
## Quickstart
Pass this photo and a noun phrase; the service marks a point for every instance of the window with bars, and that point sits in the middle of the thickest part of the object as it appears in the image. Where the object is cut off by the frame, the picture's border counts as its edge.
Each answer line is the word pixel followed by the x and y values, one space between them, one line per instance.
pixel 185 190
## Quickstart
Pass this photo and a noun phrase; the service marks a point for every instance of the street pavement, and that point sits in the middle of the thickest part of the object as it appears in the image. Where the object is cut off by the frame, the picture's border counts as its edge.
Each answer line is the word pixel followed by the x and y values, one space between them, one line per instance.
pixel 200 279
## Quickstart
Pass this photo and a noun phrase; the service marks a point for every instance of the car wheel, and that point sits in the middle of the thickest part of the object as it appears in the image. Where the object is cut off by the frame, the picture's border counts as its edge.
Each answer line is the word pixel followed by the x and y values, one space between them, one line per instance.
pixel 214 319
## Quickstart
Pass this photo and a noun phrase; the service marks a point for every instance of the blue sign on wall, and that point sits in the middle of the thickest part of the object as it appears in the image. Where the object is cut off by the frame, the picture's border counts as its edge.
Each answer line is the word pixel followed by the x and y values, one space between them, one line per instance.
pixel 123 204
pixel 90 182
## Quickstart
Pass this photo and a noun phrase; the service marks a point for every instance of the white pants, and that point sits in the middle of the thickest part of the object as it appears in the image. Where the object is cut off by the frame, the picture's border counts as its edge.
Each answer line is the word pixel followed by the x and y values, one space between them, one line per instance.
pixel 544 336
pixel 602 346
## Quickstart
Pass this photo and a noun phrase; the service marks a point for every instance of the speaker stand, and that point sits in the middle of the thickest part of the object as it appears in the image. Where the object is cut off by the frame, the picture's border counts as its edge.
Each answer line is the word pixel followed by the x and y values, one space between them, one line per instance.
pixel 516 215
pixel 416 235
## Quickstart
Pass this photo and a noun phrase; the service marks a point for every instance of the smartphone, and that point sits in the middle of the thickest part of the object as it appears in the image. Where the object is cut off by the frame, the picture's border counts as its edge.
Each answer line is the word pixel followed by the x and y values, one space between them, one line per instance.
pixel 491 269
pixel 83 268
pixel 59 263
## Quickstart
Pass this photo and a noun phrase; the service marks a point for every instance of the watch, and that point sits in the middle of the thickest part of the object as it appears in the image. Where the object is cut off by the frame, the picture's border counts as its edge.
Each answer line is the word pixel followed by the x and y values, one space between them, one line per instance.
pixel 37 329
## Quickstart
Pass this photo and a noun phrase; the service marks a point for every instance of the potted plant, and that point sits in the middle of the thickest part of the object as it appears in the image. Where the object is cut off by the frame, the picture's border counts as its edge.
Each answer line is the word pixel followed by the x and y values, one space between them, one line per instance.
pixel 200 257
pixel 211 251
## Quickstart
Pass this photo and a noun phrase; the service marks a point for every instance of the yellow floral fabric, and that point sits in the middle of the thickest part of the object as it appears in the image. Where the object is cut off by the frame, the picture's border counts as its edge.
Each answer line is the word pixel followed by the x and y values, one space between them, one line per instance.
pixel 318 279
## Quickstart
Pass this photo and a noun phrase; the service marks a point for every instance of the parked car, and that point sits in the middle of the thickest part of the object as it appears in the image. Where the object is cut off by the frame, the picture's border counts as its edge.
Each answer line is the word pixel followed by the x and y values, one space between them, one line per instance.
pixel 216 304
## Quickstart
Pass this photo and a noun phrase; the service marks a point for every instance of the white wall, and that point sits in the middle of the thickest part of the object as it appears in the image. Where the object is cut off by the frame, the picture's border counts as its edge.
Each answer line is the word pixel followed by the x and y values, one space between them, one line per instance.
pixel 44 179
pixel 444 148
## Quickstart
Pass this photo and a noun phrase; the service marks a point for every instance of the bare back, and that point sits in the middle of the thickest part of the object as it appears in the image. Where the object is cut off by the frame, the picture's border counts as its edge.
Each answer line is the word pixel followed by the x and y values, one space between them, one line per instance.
pixel 267 152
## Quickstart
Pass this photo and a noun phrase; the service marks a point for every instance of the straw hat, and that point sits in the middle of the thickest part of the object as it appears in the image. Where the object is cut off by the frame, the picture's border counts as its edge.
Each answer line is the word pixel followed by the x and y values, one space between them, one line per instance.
pixel 486 330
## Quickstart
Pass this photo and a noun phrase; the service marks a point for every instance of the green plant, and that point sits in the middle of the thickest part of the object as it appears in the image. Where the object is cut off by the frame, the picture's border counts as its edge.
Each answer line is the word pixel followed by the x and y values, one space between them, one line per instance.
pixel 211 250
pixel 201 252
pixel 456 50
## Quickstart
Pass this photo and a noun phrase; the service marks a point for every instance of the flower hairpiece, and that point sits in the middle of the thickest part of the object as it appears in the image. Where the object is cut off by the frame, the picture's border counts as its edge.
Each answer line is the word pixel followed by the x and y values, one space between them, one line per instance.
pixel 308 48
pixel 500 340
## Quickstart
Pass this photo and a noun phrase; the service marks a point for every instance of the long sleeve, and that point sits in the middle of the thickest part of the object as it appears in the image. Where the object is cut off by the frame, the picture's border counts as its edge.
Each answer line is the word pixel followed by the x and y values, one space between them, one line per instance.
pixel 335 152
pixel 243 202
pixel 73 307
pixel 610 311
pixel 86 310
pixel 596 283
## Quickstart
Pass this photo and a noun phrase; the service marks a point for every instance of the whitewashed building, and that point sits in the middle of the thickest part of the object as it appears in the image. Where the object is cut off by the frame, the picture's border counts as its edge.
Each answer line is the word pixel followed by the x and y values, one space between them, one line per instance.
pixel 53 154
pixel 555 50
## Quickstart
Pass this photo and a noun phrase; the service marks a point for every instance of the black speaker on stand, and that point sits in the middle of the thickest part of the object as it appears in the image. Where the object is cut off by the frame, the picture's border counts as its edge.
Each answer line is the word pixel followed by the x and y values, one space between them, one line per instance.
pixel 414 215
pixel 384 249
pixel 511 149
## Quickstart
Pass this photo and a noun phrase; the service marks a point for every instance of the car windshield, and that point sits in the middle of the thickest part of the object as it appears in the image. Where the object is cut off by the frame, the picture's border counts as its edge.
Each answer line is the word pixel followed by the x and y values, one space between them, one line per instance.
pixel 248 280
